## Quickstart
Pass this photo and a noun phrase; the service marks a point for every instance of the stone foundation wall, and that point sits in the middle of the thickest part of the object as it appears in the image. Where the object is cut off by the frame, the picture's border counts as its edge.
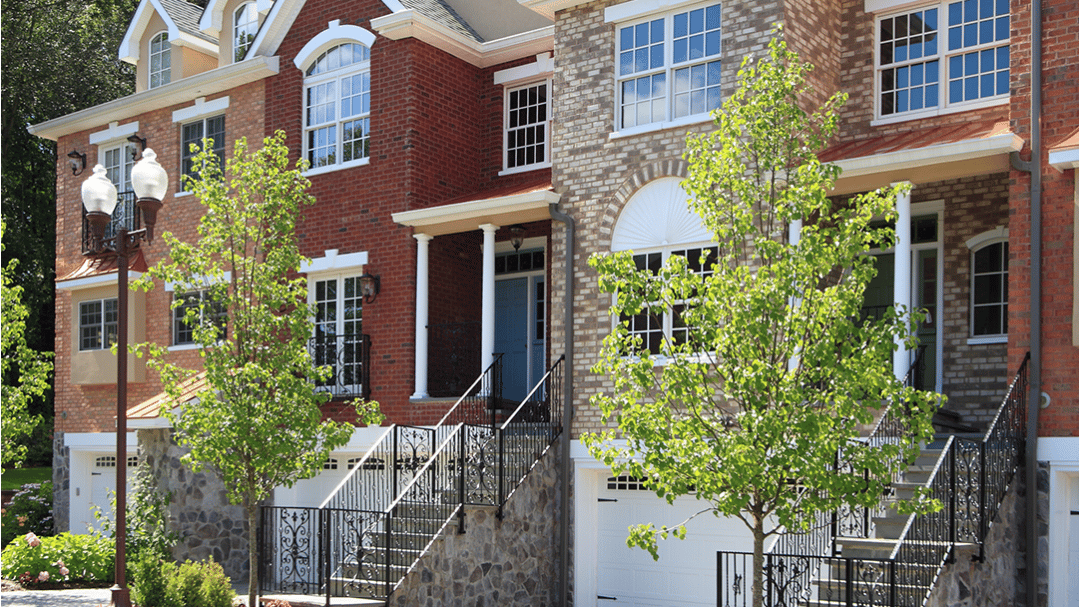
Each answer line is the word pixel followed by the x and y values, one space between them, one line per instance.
pixel 61 479
pixel 209 526
pixel 513 561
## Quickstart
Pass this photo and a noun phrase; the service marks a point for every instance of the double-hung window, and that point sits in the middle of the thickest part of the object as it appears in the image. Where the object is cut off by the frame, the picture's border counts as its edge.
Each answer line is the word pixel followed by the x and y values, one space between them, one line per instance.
pixel 668 68
pixel 193 133
pixel 527 126
pixel 941 56
pixel 160 70
pixel 337 106
pixel 652 327
pixel 98 322
pixel 205 311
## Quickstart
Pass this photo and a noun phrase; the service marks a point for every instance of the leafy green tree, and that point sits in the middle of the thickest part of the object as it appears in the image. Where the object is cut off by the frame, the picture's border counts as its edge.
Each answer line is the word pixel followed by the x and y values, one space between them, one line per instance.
pixel 256 421
pixel 27 373
pixel 776 375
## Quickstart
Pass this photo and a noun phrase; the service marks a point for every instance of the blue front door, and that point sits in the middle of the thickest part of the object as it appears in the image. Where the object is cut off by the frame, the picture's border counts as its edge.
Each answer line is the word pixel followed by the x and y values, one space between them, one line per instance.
pixel 511 335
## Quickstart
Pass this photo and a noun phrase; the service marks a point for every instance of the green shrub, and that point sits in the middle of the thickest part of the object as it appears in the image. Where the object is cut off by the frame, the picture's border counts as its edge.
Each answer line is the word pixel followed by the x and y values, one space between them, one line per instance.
pixel 85 558
pixel 163 584
pixel 147 518
pixel 30 511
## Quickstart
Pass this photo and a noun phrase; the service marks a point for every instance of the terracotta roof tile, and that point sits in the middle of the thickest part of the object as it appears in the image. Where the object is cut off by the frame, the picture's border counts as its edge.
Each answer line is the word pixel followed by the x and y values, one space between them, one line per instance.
pixel 98 265
pixel 914 139
pixel 538 184
pixel 1071 141
pixel 151 407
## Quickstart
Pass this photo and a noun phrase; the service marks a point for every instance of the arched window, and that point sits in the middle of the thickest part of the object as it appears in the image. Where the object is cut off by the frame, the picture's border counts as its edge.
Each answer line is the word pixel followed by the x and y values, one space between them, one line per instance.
pixel 245 26
pixel 656 224
pixel 990 289
pixel 160 60
pixel 337 105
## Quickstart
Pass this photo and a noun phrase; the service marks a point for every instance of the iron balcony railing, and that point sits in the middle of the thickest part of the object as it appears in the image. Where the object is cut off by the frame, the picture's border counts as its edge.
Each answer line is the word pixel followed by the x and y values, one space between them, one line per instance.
pixel 381 518
pixel 349 360
pixel 970 479
pixel 126 215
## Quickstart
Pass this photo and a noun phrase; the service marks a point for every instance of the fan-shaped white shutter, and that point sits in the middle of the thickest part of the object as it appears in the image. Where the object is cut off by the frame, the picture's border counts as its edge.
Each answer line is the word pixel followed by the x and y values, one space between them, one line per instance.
pixel 657 216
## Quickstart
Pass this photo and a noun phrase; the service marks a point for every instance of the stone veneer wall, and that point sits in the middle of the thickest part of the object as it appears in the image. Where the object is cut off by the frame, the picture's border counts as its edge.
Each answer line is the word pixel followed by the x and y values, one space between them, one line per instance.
pixel 209 526
pixel 61 479
pixel 513 561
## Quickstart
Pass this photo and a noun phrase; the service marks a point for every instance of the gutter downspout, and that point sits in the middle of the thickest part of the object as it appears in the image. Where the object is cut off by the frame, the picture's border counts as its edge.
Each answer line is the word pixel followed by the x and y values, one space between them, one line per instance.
pixel 568 410
pixel 1034 397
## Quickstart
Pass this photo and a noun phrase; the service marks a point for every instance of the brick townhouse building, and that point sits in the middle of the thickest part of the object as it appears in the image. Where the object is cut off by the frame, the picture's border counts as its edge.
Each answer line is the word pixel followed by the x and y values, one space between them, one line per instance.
pixel 459 148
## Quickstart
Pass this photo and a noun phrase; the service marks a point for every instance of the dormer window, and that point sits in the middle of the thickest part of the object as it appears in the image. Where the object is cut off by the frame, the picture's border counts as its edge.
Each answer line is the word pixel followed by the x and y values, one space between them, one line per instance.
pixel 245 26
pixel 160 60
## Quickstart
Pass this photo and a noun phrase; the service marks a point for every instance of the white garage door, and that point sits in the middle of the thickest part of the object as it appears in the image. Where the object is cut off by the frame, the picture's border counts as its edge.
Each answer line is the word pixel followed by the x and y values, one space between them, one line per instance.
pixel 686 571
pixel 310 492
pixel 103 485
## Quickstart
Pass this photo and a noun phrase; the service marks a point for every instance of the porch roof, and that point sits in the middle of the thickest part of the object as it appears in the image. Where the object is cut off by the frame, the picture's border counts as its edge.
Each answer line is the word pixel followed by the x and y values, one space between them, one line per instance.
pixel 519 203
pixel 147 414
pixel 1065 154
pixel 924 155
pixel 95 271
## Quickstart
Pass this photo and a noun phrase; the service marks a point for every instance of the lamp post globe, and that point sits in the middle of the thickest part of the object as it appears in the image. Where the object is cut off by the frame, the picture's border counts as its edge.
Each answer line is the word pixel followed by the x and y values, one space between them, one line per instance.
pixel 150 182
pixel 99 200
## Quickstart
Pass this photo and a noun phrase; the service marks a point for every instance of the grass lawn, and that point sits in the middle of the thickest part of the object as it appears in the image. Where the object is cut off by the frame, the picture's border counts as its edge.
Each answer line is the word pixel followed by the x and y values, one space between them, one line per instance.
pixel 15 478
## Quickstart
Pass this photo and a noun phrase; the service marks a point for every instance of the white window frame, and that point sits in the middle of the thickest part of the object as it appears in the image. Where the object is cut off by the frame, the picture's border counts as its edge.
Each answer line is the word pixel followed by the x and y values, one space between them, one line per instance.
pixel 245 25
pixel 177 314
pixel 544 161
pixel 102 325
pixel 943 54
pixel 627 18
pixel 185 146
pixel 1003 303
pixel 336 76
pixel 160 64
pixel 339 276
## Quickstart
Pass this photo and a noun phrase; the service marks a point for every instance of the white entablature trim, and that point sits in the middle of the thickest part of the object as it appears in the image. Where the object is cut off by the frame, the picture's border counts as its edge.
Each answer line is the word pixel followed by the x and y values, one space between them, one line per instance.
pixel 642 8
pixel 115 132
pixel 543 66
pixel 129 46
pixel 657 215
pixel 201 108
pixel 333 34
pixel 998 233
pixel 331 261
pixel 213 16
pixel 548 8
pixel 889 6
pixel 179 91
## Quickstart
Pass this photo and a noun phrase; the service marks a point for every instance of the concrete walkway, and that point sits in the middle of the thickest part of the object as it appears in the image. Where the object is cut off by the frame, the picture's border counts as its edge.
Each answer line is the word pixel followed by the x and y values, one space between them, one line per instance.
pixel 81 597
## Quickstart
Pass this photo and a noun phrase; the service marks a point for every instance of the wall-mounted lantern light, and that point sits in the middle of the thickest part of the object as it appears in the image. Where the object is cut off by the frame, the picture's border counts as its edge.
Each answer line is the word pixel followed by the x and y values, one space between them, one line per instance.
pixel 517 235
pixel 134 138
pixel 370 285
pixel 77 161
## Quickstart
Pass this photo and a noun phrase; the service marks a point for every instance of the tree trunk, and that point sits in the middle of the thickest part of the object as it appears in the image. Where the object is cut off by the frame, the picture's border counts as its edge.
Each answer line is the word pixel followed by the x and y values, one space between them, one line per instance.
pixel 253 553
pixel 757 590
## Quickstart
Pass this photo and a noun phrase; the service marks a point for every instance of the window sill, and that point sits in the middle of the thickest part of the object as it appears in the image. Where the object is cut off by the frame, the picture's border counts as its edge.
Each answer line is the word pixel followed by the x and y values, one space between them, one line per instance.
pixel 181 194
pixel 336 167
pixel 182 347
pixel 661 126
pixel 525 169
pixel 988 339
pixel 956 109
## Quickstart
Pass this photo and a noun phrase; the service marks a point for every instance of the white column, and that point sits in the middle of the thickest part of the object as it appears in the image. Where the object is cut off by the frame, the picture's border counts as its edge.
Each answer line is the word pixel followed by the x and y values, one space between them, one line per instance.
pixel 902 275
pixel 794 234
pixel 487 304
pixel 421 341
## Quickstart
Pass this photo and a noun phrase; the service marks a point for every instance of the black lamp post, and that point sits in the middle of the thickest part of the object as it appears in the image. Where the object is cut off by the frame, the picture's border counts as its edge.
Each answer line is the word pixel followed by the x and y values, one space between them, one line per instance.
pixel 99 198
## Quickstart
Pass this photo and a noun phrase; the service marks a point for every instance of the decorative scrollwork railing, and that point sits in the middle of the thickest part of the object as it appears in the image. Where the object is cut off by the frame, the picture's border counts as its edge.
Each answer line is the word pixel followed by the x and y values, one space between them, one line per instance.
pixel 125 215
pixel 348 357
pixel 794 580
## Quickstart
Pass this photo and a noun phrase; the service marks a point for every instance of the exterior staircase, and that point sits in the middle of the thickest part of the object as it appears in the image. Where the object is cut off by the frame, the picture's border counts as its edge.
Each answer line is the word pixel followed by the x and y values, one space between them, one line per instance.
pixel 878 557
pixel 411 487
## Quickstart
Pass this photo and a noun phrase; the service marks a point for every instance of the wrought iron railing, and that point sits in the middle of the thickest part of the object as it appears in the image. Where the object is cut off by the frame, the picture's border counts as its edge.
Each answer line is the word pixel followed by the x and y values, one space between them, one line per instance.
pixel 126 215
pixel 970 479
pixel 381 518
pixel 349 359
pixel 454 357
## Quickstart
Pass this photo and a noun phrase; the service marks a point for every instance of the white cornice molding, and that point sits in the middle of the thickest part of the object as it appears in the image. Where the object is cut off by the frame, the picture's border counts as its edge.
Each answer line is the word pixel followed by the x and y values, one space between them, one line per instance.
pixel 115 132
pixel 543 66
pixel 531 206
pixel 872 7
pixel 129 46
pixel 201 108
pixel 275 27
pixel 1065 158
pixel 332 261
pixel 548 8
pixel 410 24
pixel 969 149
pixel 635 9
pixel 174 93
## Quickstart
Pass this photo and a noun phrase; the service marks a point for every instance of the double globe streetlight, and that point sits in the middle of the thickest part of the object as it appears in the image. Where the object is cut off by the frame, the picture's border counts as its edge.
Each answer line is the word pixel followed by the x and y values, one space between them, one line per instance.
pixel 99 198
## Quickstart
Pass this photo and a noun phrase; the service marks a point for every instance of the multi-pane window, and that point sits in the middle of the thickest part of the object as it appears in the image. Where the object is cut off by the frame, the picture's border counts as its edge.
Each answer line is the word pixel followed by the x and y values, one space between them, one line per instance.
pixel 337 106
pixel 194 133
pixel 98 322
pixel 669 67
pixel 990 290
pixel 653 327
pixel 338 339
pixel 527 125
pixel 160 60
pixel 919 70
pixel 206 312
pixel 245 26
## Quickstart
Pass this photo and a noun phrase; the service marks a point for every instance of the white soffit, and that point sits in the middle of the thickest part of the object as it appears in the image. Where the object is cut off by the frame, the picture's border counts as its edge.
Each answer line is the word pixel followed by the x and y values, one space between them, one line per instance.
pixel 548 8
pixel 411 24
pixel 467 216
pixel 174 93
pixel 1065 158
